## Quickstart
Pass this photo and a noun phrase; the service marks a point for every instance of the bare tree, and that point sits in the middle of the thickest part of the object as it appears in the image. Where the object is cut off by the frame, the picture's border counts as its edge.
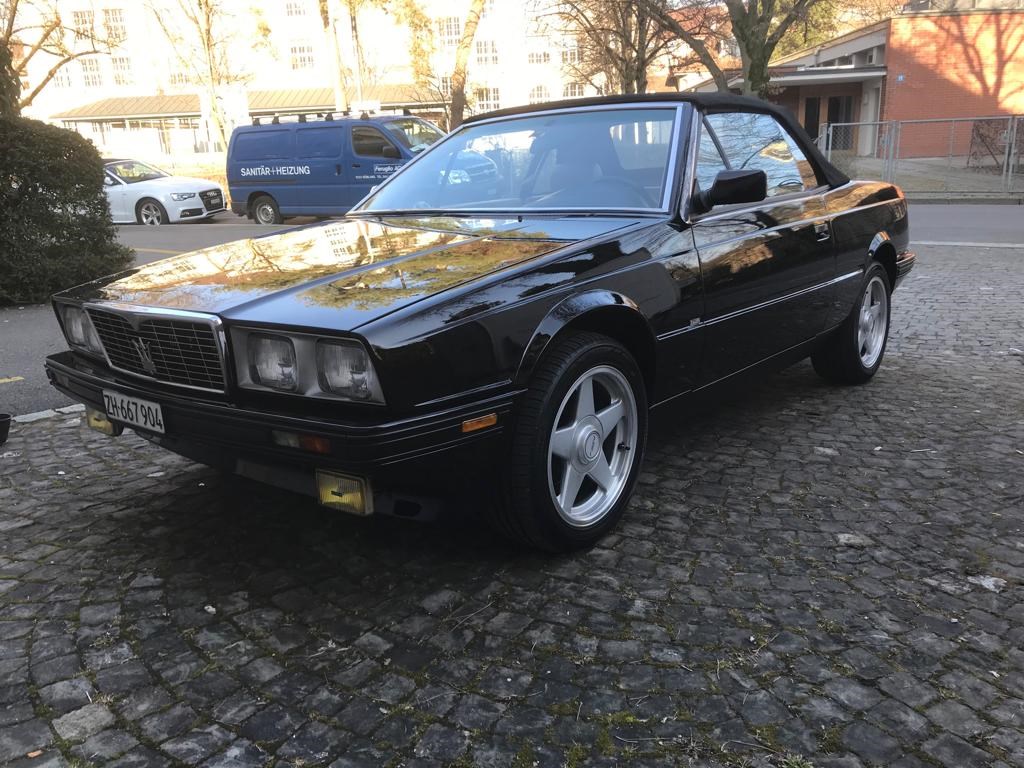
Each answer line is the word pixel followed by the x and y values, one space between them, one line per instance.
pixel 30 28
pixel 758 26
pixel 201 38
pixel 617 41
pixel 476 9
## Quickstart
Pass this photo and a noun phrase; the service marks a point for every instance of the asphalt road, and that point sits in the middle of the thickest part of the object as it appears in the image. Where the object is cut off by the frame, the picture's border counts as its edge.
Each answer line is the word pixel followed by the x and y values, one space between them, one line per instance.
pixel 28 334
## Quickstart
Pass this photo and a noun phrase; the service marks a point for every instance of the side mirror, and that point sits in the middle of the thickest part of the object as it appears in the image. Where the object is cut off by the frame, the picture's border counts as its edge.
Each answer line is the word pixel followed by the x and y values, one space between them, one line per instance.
pixel 730 187
pixel 389 150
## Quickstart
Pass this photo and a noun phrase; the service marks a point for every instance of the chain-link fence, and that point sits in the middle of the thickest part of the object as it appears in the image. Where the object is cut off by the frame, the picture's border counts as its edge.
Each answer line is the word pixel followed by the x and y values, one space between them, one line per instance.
pixel 977 155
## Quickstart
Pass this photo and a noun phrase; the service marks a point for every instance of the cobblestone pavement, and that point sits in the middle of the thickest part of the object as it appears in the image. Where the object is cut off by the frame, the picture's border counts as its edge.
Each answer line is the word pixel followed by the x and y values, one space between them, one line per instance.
pixel 807 576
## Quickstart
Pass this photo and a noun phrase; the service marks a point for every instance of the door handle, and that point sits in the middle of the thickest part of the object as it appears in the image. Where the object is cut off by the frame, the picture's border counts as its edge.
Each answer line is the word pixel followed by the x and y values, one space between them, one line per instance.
pixel 822 230
pixel 337 170
pixel 356 165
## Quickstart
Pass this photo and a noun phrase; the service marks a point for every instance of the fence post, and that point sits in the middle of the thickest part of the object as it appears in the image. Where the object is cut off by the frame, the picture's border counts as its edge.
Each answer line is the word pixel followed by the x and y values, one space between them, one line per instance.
pixel 1009 154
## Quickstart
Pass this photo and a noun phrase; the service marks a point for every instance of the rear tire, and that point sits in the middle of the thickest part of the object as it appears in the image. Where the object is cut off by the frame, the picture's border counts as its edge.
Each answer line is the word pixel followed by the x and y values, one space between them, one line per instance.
pixel 854 351
pixel 265 210
pixel 577 445
pixel 150 213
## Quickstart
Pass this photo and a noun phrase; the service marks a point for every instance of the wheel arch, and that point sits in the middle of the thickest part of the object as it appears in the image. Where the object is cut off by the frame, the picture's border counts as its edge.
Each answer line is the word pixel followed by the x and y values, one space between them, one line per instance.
pixel 253 196
pixel 884 252
pixel 601 311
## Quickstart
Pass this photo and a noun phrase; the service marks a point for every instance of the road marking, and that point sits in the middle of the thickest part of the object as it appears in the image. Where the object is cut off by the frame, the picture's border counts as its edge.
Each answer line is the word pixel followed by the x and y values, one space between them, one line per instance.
pixel 12 379
pixel 157 250
pixel 970 245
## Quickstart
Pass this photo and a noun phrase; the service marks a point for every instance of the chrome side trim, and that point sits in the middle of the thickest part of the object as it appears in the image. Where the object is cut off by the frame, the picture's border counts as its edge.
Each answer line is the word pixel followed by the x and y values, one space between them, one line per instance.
pixel 764 304
pixel 135 314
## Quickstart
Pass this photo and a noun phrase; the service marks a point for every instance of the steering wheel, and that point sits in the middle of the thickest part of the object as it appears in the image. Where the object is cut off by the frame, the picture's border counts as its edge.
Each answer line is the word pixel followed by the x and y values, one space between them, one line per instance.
pixel 637 191
pixel 579 191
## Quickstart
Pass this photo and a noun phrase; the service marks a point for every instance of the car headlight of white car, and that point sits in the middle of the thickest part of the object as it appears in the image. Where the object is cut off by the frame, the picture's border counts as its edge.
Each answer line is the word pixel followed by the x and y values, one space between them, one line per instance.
pixel 179 196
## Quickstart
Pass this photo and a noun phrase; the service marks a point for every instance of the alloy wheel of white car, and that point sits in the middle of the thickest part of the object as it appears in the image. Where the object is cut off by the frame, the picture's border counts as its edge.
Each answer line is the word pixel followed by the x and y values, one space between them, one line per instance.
pixel 151 213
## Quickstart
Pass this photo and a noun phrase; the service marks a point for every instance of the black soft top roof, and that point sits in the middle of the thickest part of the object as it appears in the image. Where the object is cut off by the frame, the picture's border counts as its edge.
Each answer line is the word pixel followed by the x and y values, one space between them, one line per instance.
pixel 705 102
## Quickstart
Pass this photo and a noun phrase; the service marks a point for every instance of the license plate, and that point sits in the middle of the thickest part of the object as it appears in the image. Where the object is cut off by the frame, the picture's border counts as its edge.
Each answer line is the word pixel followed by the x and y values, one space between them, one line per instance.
pixel 215 200
pixel 132 410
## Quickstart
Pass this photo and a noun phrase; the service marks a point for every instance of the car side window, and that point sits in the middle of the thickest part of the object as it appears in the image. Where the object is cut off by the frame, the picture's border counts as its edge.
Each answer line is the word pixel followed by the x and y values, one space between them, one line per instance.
pixel 318 142
pixel 369 142
pixel 754 140
pixel 709 160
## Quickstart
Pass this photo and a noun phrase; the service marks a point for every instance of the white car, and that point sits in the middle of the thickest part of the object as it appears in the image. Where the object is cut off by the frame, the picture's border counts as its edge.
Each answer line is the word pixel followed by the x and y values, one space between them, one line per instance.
pixel 140 193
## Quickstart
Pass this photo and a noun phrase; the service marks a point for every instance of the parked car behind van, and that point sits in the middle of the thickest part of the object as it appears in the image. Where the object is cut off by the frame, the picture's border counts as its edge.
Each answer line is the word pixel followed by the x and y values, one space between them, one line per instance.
pixel 319 168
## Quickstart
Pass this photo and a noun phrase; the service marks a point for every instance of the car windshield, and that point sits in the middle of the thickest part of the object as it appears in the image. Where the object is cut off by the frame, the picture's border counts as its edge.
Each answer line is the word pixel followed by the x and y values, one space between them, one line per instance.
pixel 607 159
pixel 413 134
pixel 132 171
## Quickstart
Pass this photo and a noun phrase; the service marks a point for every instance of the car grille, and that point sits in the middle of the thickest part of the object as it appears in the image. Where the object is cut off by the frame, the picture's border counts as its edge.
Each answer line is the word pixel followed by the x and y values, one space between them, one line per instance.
pixel 212 199
pixel 174 351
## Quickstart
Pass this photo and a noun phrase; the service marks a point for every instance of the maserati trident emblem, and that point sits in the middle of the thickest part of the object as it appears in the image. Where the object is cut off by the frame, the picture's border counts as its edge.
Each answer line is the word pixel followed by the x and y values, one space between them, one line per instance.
pixel 142 347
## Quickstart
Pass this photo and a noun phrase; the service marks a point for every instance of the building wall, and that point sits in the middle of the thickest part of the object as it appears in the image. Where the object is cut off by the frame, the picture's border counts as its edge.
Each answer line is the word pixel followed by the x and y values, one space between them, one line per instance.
pixel 953 65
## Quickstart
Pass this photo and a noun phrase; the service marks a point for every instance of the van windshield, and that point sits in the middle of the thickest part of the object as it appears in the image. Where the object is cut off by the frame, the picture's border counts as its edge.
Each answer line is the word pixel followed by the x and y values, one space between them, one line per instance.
pixel 413 134
pixel 614 159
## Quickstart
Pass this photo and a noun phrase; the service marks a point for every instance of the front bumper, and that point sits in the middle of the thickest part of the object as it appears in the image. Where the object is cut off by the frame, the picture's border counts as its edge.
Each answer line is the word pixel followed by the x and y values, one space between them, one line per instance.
pixel 425 455
pixel 904 263
pixel 192 212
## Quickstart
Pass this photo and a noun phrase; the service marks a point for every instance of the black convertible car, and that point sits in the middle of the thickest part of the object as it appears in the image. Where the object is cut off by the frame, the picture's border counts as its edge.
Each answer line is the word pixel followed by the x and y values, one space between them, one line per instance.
pixel 505 324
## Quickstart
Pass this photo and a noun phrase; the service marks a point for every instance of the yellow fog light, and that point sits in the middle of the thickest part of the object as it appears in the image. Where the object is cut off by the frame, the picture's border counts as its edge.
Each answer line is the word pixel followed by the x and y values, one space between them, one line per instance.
pixel 98 420
pixel 344 493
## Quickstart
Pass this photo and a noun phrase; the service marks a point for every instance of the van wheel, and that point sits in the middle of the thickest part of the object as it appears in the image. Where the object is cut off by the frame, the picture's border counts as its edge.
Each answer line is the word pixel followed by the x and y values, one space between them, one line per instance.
pixel 265 211
pixel 150 213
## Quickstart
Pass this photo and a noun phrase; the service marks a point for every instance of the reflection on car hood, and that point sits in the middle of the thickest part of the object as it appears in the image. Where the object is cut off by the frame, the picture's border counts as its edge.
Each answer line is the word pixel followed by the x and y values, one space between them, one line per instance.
pixel 177 184
pixel 339 274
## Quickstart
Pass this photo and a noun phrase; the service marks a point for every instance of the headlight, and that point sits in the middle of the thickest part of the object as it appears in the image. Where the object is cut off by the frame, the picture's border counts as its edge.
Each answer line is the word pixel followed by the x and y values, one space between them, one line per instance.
pixel 272 361
pixel 179 196
pixel 79 330
pixel 345 369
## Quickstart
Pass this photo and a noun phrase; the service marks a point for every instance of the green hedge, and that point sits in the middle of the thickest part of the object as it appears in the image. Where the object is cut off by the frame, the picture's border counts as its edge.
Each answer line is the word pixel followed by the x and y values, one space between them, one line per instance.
pixel 55 227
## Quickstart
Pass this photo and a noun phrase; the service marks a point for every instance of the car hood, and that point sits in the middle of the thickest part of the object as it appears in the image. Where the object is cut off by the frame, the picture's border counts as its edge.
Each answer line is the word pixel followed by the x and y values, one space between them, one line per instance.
pixel 340 274
pixel 176 184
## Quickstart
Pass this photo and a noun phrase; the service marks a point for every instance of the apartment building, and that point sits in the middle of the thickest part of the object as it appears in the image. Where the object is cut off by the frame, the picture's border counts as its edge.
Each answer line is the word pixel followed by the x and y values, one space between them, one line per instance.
pixel 141 95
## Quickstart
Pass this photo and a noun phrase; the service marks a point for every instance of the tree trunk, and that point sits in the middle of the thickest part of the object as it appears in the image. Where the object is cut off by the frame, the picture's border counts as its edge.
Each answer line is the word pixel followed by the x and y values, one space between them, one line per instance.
pixel 476 7
pixel 10 85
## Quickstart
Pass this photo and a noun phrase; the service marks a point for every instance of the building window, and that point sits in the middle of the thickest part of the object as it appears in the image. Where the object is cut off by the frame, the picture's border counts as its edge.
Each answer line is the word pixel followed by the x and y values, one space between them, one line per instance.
pixel 538 57
pixel 302 56
pixel 62 78
pixel 539 93
pixel 449 30
pixel 122 70
pixel 177 75
pixel 571 55
pixel 82 23
pixel 487 99
pixel 572 91
pixel 295 8
pixel 486 53
pixel 113 22
pixel 446 86
pixel 91 75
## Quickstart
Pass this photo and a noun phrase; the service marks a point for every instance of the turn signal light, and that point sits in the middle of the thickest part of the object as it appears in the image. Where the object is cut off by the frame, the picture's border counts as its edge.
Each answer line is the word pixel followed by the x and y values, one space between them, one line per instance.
pixel 311 443
pixel 344 493
pixel 480 422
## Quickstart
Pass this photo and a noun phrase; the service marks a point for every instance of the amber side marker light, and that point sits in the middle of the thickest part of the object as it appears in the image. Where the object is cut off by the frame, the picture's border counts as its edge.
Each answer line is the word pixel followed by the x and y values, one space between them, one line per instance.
pixel 98 420
pixel 480 422
pixel 344 493
pixel 311 443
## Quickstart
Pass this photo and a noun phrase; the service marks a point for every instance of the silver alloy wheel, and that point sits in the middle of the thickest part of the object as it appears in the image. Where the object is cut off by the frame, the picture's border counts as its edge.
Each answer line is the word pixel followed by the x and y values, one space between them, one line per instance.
pixel 150 214
pixel 873 322
pixel 265 213
pixel 592 446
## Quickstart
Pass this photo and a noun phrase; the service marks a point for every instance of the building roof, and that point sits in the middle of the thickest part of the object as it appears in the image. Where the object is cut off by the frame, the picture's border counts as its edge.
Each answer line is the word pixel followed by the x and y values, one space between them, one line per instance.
pixel 260 103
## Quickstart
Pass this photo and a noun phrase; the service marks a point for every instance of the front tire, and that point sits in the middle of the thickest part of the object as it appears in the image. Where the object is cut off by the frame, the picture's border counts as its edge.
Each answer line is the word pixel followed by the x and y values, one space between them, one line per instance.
pixel 265 210
pixel 150 213
pixel 577 445
pixel 853 353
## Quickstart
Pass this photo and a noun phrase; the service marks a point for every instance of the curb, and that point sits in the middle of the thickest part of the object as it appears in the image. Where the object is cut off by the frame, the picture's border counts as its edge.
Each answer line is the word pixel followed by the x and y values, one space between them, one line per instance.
pixel 67 410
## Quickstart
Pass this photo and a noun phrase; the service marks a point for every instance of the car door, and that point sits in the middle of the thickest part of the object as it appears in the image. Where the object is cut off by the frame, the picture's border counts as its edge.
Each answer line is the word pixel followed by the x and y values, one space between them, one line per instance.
pixel 319 148
pixel 767 267
pixel 374 158
pixel 117 194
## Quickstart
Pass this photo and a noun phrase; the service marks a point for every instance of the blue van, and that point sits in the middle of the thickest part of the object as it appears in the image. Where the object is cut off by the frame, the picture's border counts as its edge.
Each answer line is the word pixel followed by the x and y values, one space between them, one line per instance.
pixel 319 168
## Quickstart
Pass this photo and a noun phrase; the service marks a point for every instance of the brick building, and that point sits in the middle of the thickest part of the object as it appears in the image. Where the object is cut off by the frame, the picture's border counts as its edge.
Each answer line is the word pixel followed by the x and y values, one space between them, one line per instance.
pixel 935 60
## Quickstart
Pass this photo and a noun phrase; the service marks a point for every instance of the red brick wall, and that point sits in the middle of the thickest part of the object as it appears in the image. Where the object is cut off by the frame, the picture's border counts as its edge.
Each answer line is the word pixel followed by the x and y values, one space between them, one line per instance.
pixel 952 65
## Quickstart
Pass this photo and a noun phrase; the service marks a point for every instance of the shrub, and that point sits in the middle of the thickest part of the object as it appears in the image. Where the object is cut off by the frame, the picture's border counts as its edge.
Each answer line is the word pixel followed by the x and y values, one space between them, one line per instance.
pixel 55 226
